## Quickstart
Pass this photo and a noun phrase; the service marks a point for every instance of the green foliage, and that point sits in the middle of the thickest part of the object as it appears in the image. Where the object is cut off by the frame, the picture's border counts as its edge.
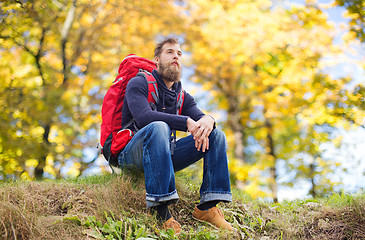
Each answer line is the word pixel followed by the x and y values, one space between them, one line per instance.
pixel 89 180
pixel 131 228
pixel 356 9
pixel 112 228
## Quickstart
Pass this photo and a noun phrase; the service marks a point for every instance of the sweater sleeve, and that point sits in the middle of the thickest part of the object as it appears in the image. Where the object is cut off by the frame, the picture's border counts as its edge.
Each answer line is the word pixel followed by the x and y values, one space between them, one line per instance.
pixel 190 108
pixel 136 96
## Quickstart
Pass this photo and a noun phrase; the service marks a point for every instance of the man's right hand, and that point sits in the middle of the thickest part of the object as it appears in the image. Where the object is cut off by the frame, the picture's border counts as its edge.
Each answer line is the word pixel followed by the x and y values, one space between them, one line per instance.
pixel 191 125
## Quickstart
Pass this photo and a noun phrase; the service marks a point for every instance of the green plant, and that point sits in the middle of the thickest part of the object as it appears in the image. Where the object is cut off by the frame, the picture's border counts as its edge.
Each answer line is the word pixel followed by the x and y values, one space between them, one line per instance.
pixel 112 229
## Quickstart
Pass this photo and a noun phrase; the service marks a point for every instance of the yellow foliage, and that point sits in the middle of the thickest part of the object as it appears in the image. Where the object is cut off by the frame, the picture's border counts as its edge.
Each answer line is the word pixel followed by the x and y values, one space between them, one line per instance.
pixel 239 170
pixel 74 170
pixel 23 72
pixel 347 14
pixel 31 163
pixel 19 152
pixel 50 160
pixel 254 190
pixel 37 131
pixel 50 169
pixel 25 176
pixel 270 59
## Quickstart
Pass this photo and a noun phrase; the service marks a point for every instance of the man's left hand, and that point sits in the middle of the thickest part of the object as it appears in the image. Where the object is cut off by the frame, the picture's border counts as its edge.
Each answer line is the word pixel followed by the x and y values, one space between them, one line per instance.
pixel 201 134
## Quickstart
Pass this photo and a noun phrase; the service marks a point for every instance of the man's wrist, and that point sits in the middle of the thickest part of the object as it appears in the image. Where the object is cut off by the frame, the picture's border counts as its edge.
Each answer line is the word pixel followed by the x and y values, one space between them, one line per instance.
pixel 213 120
pixel 188 122
pixel 210 117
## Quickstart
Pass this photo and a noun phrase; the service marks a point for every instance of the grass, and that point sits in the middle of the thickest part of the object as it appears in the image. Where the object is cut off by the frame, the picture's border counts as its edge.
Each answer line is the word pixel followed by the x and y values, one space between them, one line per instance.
pixel 113 207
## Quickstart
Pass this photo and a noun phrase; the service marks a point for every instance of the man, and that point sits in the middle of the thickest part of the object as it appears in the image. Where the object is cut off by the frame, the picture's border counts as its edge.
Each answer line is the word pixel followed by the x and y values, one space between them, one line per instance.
pixel 150 148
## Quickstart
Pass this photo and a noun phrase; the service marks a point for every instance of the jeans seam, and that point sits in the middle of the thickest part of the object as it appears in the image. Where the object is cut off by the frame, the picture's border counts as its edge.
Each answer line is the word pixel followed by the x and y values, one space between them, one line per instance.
pixel 218 192
pixel 161 195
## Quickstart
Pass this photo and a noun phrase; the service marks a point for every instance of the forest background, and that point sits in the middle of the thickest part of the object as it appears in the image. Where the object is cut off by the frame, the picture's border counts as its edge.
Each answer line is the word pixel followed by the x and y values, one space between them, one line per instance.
pixel 284 82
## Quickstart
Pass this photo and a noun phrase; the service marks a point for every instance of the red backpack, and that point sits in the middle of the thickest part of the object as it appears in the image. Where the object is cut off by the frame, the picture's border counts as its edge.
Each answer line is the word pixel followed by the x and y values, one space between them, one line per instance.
pixel 113 138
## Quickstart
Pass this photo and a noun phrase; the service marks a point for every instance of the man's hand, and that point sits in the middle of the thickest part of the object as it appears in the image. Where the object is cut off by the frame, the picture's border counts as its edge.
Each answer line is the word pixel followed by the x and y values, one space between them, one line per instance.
pixel 201 131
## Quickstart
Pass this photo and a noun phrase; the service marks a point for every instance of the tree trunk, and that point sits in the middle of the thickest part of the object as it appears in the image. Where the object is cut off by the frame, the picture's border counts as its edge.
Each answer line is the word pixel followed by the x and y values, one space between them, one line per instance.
pixel 39 170
pixel 273 172
pixel 312 170
pixel 234 122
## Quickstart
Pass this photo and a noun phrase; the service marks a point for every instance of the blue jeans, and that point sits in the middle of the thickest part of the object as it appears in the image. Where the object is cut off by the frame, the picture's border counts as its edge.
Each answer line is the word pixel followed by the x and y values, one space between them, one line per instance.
pixel 149 150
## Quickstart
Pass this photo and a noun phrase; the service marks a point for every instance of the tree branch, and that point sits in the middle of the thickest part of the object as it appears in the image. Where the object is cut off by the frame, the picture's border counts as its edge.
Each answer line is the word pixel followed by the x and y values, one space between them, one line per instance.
pixel 64 39
pixel 39 55
pixel 19 44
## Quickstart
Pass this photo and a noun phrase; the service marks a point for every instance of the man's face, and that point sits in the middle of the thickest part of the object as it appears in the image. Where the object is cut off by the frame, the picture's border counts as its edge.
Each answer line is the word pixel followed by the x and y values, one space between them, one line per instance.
pixel 169 62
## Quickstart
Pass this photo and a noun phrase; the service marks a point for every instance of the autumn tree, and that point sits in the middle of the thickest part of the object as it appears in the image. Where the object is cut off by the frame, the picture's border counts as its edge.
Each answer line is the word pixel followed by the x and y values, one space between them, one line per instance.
pixel 261 64
pixel 57 60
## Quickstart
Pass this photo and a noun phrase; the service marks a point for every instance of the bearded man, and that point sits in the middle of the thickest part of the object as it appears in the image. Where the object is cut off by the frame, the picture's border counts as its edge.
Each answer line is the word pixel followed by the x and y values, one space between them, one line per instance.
pixel 153 149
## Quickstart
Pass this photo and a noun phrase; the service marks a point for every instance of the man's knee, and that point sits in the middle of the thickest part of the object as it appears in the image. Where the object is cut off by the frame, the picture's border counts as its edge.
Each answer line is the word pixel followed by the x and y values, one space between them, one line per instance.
pixel 159 129
pixel 218 136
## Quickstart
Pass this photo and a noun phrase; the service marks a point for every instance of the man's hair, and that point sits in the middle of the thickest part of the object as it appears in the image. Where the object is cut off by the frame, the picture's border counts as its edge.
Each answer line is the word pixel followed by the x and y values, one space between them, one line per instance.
pixel 159 46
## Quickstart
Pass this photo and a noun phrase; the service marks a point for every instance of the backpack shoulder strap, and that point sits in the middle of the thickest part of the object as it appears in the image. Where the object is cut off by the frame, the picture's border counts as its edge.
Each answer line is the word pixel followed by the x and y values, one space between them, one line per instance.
pixel 152 97
pixel 180 101
pixel 153 92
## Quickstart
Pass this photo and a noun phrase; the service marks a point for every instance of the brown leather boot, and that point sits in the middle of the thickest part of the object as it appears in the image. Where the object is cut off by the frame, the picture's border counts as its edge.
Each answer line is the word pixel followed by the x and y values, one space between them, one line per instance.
pixel 172 223
pixel 213 216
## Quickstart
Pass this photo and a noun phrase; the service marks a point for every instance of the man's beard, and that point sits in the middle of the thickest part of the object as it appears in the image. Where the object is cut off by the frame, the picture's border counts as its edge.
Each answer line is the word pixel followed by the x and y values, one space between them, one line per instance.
pixel 169 72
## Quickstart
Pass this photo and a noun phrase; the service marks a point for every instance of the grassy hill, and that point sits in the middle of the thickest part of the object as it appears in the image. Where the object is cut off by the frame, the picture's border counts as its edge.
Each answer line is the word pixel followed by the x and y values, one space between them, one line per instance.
pixel 113 207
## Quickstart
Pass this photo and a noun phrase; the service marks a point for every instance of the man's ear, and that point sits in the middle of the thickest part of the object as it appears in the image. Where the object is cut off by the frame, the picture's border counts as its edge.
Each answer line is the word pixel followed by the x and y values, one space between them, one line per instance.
pixel 157 61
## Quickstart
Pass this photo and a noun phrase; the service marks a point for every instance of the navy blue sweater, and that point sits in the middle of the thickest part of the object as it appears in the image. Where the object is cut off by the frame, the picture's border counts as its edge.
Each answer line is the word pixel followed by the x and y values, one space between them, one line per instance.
pixel 136 105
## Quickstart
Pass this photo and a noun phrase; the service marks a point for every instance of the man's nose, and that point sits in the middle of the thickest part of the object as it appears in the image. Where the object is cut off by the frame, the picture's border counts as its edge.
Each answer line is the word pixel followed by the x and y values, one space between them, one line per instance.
pixel 176 55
